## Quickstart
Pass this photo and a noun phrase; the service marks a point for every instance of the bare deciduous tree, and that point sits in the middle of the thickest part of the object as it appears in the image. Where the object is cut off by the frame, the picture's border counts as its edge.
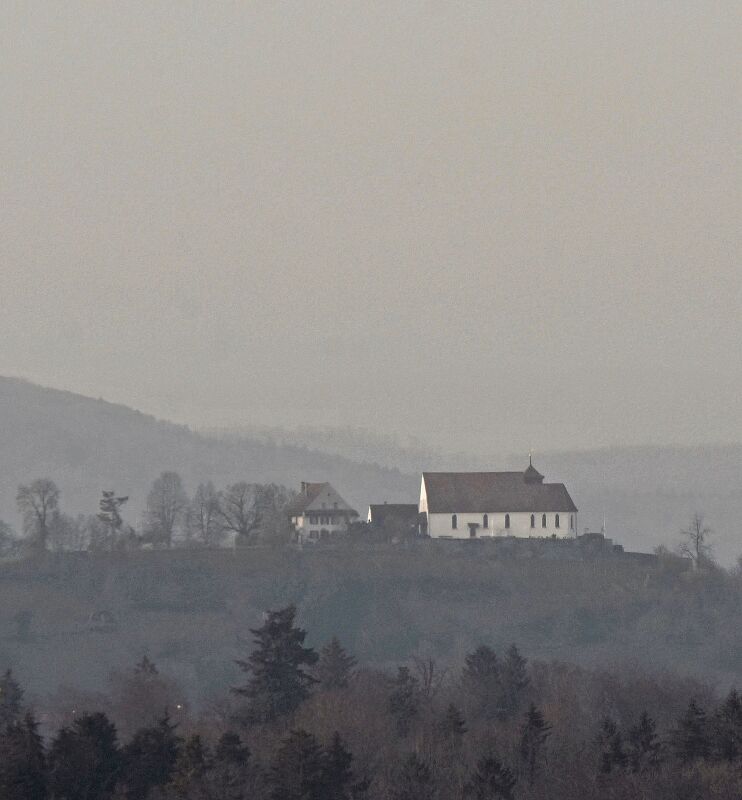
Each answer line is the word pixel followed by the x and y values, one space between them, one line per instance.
pixel 37 502
pixel 204 519
pixel 240 511
pixel 166 504
pixel 694 543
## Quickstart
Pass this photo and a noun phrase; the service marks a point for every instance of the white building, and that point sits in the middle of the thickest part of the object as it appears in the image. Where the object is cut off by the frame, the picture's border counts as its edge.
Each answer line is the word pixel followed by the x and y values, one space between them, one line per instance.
pixel 465 505
pixel 319 512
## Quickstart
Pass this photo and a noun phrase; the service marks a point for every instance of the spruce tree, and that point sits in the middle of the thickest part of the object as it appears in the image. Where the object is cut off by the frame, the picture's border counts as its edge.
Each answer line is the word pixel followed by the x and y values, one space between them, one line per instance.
pixel 514 678
pixel 726 729
pixel 278 682
pixel 690 739
pixel 191 767
pixel 335 666
pixel 534 733
pixel 231 771
pixel 404 700
pixel 492 780
pixel 613 757
pixel 452 726
pixel 415 781
pixel 337 775
pixel 297 771
pixel 482 681
pixel 11 700
pixel 22 762
pixel 149 758
pixel 645 749
pixel 84 759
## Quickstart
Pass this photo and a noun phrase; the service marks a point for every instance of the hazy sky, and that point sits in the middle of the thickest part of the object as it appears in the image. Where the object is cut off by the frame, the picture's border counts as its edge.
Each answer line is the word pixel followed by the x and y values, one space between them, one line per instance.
pixel 492 225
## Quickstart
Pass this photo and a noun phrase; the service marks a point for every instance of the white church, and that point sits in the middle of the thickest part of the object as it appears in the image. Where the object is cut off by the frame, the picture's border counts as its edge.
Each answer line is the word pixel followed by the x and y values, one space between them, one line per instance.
pixel 467 505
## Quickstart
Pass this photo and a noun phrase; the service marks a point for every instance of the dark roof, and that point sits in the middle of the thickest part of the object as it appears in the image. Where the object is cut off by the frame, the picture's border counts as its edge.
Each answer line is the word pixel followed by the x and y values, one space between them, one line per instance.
pixel 304 498
pixel 501 492
pixel 394 513
pixel 309 493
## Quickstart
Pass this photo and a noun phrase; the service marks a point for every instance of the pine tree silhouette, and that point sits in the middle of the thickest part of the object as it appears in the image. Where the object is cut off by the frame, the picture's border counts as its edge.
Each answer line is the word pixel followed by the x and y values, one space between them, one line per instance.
pixel 150 757
pixel 533 738
pixel 22 762
pixel 84 759
pixel 278 682
pixel 482 681
pixel 335 667
pixel 726 729
pixel 613 757
pixel 404 700
pixel 452 726
pixel 690 740
pixel 514 678
pixel 11 700
pixel 297 771
pixel 645 749
pixel 492 780
pixel 415 780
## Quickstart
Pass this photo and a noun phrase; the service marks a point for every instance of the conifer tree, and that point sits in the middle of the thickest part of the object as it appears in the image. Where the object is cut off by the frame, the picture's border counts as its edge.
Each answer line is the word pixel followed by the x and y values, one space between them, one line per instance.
pixel 726 729
pixel 11 700
pixel 278 682
pixel 482 681
pixel 337 775
pixel 613 756
pixel 191 767
pixel 452 726
pixel 492 780
pixel 533 738
pixel 149 758
pixel 415 781
pixel 645 749
pixel 297 770
pixel 514 677
pixel 690 740
pixel 404 700
pixel 335 666
pixel 84 759
pixel 231 770
pixel 22 762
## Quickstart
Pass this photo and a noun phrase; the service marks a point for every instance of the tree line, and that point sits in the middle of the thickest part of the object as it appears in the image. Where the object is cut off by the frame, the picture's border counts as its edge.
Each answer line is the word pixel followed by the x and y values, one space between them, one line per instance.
pixel 244 512
pixel 304 724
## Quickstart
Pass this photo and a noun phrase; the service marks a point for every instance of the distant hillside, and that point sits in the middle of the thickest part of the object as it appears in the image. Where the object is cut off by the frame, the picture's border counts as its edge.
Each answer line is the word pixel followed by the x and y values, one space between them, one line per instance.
pixel 646 493
pixel 86 445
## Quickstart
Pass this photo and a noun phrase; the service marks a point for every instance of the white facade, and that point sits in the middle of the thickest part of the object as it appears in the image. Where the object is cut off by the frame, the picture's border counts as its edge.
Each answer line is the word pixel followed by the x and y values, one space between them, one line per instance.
pixel 465 524
pixel 322 516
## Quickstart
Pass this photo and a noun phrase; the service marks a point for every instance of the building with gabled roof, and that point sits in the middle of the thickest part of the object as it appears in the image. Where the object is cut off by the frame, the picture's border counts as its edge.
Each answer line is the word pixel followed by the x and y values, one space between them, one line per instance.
pixel 473 504
pixel 397 519
pixel 319 512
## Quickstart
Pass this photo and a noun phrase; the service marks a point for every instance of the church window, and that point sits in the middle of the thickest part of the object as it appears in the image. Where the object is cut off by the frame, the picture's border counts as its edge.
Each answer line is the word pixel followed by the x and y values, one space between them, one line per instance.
pixel 571 522
pixel 454 522
pixel 556 520
pixel 533 520
pixel 485 521
pixel 507 520
pixel 543 520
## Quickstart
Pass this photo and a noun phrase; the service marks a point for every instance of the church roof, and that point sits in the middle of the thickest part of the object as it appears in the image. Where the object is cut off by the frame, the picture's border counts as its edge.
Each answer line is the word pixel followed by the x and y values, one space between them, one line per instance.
pixel 498 492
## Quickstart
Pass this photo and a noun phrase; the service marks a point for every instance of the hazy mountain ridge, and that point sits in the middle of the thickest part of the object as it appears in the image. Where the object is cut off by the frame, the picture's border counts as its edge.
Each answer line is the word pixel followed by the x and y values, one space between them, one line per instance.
pixel 85 445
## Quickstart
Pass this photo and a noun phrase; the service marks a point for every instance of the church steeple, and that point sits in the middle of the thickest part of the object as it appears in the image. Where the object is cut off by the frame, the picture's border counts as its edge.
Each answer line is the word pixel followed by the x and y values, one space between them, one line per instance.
pixel 531 474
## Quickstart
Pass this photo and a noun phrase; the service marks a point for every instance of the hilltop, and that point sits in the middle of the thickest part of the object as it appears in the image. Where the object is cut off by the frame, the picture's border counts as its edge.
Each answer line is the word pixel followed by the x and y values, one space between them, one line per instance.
pixel 646 493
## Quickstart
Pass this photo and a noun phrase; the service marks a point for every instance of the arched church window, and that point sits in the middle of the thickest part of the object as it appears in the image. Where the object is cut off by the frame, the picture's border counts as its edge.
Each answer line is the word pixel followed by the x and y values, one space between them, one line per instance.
pixel 454 522
pixel 533 520
pixel 485 521
pixel 507 520
pixel 556 520
pixel 543 520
